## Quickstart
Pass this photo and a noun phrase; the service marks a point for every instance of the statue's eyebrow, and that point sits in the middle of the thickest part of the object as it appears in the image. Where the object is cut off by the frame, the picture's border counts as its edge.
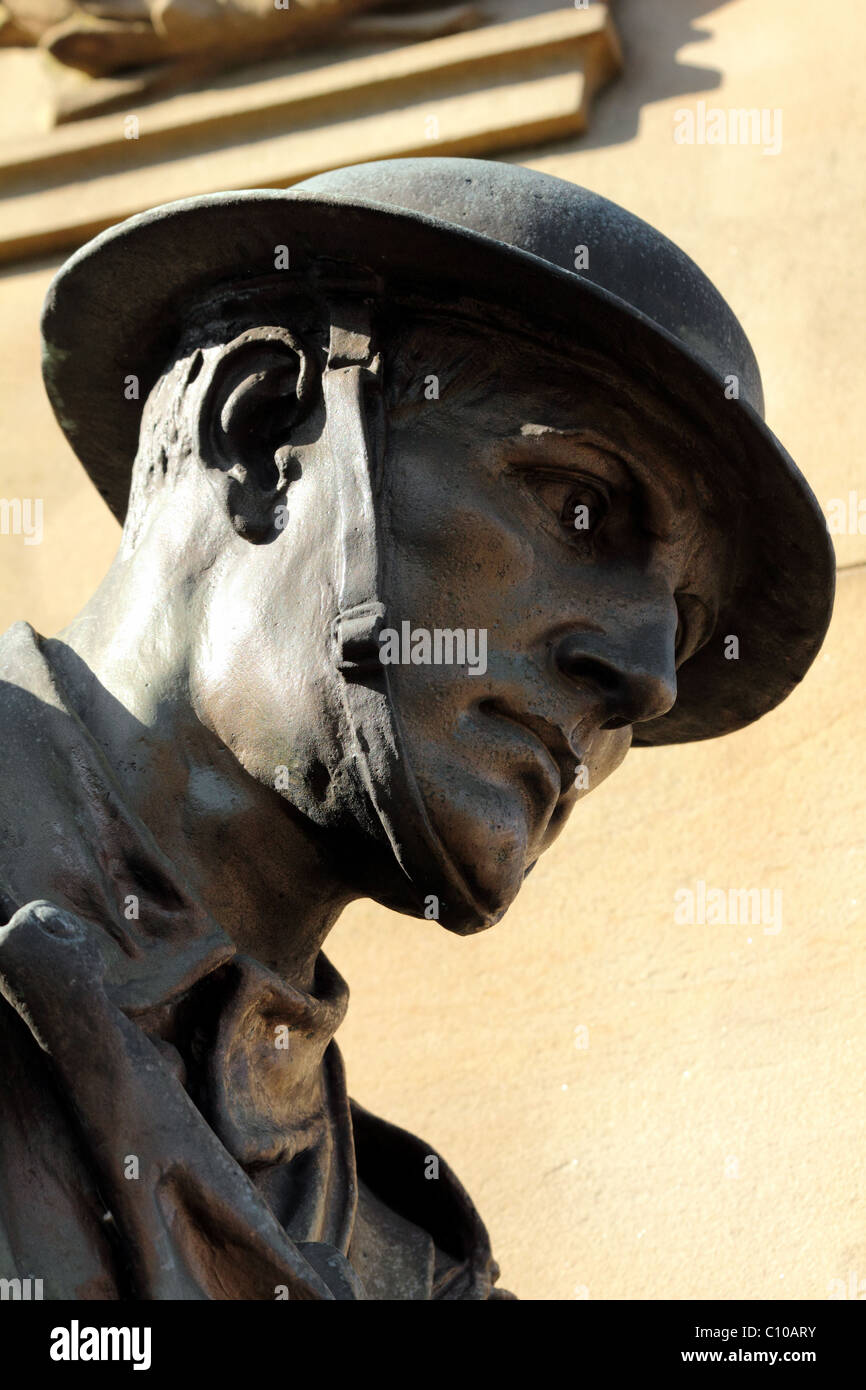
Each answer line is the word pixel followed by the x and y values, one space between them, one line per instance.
pixel 642 475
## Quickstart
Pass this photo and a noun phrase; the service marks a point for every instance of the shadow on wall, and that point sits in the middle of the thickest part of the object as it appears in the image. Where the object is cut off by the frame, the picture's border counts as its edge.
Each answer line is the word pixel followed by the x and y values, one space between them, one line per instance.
pixel 651 32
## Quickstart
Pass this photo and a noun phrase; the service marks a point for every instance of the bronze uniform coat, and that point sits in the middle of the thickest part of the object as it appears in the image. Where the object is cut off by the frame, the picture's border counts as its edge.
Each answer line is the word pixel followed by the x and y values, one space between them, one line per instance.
pixel 174 1122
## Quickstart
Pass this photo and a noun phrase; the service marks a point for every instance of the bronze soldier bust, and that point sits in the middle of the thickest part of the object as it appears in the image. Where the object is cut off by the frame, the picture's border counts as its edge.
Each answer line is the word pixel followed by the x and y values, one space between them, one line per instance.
pixel 443 483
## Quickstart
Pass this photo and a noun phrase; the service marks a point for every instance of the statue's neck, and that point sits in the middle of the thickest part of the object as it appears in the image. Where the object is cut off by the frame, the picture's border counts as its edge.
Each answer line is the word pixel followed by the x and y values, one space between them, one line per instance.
pixel 260 869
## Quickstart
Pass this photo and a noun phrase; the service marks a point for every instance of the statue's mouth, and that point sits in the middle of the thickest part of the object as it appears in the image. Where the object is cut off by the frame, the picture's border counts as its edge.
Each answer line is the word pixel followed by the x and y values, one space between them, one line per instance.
pixel 548 739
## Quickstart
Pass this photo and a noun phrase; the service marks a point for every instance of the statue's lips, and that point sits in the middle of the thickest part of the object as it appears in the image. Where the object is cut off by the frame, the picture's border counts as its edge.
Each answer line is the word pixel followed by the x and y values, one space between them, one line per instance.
pixel 546 740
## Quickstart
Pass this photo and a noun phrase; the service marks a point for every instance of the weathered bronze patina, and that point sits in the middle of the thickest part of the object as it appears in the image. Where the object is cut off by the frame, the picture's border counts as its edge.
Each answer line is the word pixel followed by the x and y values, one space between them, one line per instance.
pixel 457 412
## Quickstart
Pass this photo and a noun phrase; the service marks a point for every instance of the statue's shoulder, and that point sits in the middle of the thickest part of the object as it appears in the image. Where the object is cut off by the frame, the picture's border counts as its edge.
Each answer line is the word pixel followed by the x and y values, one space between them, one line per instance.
pixel 22 661
pixel 415 1182
pixel 31 753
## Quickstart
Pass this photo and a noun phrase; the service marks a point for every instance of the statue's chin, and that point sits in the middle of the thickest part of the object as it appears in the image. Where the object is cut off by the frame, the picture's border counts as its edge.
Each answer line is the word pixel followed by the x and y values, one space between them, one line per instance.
pixel 486 877
pixel 463 896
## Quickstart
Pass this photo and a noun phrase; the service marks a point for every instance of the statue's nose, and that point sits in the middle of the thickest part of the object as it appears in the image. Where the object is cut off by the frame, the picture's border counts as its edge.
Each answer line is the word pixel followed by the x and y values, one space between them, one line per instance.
pixel 634 683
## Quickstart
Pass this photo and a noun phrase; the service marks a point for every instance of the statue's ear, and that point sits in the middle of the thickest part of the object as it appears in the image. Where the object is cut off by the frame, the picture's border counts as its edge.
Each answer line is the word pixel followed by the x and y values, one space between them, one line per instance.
pixel 260 387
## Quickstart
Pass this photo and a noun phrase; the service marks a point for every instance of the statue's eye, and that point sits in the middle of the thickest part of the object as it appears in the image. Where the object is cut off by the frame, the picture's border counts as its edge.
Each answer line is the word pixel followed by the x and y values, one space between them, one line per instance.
pixel 580 505
pixel 585 509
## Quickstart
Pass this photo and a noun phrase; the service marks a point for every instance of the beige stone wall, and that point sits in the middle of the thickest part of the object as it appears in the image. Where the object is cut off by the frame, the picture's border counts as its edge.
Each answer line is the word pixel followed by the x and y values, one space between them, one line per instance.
pixel 709 1140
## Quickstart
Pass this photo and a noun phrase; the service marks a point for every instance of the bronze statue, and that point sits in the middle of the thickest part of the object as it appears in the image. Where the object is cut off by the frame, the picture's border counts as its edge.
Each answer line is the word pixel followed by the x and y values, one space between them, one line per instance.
pixel 135 49
pixel 100 37
pixel 443 483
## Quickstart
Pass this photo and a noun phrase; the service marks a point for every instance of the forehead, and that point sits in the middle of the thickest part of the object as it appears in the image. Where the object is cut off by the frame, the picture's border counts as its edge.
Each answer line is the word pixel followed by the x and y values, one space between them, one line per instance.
pixel 501 384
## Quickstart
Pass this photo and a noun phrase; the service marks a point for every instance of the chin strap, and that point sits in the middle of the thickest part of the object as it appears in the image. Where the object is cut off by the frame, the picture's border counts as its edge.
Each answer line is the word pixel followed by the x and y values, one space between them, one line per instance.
pixel 352 374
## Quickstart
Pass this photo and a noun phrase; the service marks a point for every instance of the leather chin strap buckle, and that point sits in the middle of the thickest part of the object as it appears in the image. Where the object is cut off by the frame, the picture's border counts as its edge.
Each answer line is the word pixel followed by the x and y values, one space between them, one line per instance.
pixel 355 637
pixel 350 382
pixel 352 370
